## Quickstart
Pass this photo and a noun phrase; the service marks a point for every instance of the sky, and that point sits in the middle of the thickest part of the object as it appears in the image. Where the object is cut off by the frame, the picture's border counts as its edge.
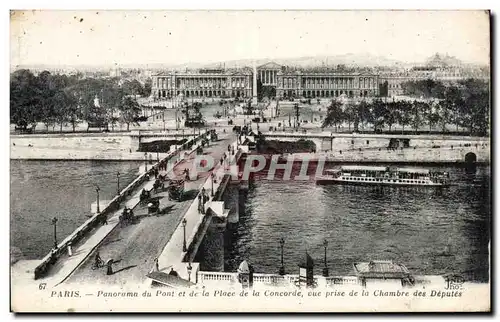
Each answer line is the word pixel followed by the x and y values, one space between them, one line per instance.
pixel 176 37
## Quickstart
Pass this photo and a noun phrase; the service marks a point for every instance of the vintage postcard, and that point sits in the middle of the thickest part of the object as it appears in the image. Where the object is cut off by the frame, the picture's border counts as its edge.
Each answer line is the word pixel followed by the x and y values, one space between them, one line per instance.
pixel 250 161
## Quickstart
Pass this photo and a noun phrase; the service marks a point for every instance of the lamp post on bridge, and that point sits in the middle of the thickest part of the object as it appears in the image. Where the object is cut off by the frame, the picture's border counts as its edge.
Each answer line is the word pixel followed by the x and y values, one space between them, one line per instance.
pixel 145 162
pixel 184 222
pixel 189 269
pixel 54 222
pixel 117 182
pixel 282 268
pixel 97 191
pixel 213 178
pixel 325 269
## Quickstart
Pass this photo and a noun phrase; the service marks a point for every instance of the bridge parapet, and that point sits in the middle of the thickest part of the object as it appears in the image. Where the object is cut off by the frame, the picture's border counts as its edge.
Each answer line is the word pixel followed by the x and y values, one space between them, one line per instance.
pixel 197 223
pixel 231 278
pixel 97 219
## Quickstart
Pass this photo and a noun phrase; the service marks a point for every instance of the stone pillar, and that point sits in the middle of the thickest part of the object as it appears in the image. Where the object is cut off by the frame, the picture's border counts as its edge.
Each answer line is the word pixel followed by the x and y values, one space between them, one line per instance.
pixel 231 201
pixel 213 248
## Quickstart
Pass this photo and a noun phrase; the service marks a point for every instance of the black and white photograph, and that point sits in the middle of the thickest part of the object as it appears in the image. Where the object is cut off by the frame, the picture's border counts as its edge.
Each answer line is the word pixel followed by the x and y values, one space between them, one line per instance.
pixel 250 161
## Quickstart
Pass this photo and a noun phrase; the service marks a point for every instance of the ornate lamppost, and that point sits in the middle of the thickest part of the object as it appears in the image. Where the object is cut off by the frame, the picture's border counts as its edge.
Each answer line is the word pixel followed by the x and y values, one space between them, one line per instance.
pixel 54 222
pixel 117 182
pixel 189 269
pixel 97 191
pixel 213 178
pixel 282 268
pixel 325 269
pixel 184 222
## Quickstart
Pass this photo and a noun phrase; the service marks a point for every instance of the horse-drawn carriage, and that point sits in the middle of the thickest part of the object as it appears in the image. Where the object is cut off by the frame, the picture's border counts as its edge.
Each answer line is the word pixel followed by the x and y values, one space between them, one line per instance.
pixel 127 217
pixel 153 206
pixel 176 190
pixel 204 142
pixel 159 184
pixel 145 195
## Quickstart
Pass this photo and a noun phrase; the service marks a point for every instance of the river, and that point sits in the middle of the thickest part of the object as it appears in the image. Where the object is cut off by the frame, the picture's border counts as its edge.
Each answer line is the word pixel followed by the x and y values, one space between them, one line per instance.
pixel 41 190
pixel 431 231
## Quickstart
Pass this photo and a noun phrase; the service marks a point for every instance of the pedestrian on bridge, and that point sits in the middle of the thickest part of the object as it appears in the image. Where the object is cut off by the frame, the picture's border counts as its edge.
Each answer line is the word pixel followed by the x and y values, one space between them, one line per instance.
pixel 157 266
pixel 200 204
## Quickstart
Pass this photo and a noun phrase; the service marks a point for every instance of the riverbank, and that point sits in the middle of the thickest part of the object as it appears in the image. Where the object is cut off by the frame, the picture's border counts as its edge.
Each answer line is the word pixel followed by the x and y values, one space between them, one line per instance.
pixel 443 155
pixel 51 153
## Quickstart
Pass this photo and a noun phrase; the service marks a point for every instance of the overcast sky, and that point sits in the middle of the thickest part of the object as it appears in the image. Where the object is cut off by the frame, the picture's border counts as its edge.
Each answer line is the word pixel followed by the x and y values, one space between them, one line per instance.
pixel 175 37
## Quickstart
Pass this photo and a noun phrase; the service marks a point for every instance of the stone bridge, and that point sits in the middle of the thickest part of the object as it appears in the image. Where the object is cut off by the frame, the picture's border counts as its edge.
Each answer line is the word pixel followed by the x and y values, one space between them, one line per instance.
pixel 351 147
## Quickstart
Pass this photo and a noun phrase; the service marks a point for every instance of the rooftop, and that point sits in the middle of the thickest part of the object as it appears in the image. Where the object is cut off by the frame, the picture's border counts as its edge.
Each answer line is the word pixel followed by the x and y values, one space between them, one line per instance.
pixel 362 168
pixel 380 269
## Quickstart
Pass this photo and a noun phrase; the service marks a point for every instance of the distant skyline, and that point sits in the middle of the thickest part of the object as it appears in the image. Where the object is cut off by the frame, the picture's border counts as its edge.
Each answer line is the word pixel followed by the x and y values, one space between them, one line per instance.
pixel 96 38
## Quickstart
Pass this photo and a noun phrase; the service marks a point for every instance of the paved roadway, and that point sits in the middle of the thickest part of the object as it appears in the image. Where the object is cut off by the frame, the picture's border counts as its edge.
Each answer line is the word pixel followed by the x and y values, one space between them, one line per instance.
pixel 133 248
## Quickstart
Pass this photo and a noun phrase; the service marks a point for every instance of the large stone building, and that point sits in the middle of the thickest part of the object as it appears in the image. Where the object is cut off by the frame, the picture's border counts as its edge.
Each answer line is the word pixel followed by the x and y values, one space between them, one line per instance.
pixel 283 82
pixel 203 83
pixel 238 83
pixel 268 74
pixel 330 84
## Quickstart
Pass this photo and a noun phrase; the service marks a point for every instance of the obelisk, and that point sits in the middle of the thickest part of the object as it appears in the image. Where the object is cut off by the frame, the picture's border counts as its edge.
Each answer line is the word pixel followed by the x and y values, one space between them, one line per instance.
pixel 254 86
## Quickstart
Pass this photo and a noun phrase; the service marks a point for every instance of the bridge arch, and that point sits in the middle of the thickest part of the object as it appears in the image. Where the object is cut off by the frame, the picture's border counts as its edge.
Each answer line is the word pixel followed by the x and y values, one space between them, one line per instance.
pixel 470 158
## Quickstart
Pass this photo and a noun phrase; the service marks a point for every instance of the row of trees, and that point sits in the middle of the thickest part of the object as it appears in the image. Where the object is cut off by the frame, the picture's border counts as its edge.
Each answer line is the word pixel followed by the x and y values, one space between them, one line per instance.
pixel 61 100
pixel 466 105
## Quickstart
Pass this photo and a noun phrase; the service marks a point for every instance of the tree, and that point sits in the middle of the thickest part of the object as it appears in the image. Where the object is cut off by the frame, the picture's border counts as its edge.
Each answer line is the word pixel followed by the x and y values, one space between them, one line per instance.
pixel 404 114
pixel 129 110
pixel 364 114
pixel 24 99
pixel 148 84
pixel 333 115
pixel 349 114
pixel 380 112
pixel 48 116
pixel 392 115
pixel 432 116
pixel 61 101
pixel 418 109
pixel 475 109
pixel 443 111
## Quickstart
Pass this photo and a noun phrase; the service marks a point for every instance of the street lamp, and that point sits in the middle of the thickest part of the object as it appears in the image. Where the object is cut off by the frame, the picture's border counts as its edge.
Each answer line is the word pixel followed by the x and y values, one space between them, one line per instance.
pixel 54 222
pixel 184 222
pixel 157 153
pixel 145 162
pixel 118 182
pixel 325 269
pixel 282 268
pixel 189 269
pixel 213 178
pixel 97 191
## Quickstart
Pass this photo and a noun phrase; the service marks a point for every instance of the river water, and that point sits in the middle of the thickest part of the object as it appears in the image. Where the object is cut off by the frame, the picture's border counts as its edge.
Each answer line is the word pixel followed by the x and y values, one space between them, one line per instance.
pixel 41 190
pixel 431 231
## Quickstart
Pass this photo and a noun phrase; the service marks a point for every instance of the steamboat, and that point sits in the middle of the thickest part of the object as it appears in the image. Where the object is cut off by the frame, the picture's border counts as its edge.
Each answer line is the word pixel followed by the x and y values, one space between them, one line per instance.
pixel 384 176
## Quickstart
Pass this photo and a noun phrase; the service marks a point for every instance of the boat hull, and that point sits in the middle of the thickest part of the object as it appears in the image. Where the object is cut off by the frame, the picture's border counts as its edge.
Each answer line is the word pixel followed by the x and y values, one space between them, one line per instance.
pixel 332 181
